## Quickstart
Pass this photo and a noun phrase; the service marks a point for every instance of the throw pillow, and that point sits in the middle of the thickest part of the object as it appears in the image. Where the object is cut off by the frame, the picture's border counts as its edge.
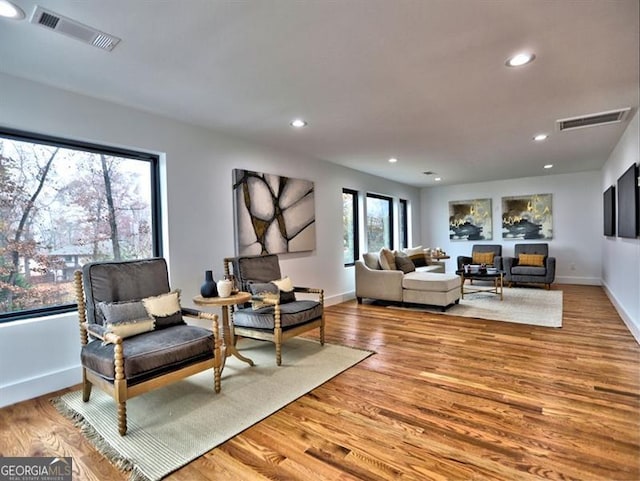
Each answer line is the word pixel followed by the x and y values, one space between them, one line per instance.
pixel 126 329
pixel 122 311
pixel 269 290
pixel 482 258
pixel 165 309
pixel 533 260
pixel 285 285
pixel 387 259
pixel 404 264
pixel 416 254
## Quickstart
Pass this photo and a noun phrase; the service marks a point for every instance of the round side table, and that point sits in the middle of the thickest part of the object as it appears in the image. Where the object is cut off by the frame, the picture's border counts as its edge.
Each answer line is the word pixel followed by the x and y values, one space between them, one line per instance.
pixel 227 304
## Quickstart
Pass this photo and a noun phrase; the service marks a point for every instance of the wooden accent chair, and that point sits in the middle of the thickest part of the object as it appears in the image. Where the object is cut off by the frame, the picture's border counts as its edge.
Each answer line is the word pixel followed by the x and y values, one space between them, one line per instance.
pixel 283 316
pixel 132 333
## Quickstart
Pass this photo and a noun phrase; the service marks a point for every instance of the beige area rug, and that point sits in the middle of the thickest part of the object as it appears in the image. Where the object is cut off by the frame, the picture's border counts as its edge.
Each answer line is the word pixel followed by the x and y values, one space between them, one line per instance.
pixel 171 426
pixel 521 305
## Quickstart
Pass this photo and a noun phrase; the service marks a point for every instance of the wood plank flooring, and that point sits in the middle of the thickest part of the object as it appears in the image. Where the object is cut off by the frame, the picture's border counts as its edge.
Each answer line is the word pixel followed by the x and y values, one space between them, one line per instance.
pixel 444 398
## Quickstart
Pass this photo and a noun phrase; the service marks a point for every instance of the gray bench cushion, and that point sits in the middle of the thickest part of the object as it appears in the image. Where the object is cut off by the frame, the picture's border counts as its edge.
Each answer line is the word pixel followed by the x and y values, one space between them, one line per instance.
pixel 147 353
pixel 291 314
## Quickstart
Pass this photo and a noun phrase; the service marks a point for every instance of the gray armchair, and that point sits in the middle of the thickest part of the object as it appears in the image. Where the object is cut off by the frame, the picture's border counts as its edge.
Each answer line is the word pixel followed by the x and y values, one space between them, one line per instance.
pixel 132 334
pixel 496 249
pixel 531 264
pixel 281 316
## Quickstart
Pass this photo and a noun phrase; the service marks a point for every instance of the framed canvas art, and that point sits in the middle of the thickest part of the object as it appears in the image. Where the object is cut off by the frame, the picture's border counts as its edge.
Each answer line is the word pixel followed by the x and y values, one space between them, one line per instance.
pixel 628 203
pixel 470 220
pixel 527 217
pixel 609 201
pixel 273 213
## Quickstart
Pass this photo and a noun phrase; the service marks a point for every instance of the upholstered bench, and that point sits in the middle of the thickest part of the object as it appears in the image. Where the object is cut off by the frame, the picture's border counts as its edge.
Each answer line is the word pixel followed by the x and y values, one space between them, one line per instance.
pixel 431 288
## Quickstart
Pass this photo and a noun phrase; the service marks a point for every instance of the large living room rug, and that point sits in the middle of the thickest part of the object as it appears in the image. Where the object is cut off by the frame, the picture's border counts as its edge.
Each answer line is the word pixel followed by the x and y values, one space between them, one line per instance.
pixel 171 426
pixel 521 305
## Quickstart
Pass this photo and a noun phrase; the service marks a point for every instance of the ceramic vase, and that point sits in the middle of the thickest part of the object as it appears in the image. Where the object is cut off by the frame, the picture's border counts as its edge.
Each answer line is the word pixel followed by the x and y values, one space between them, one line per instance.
pixel 224 287
pixel 209 288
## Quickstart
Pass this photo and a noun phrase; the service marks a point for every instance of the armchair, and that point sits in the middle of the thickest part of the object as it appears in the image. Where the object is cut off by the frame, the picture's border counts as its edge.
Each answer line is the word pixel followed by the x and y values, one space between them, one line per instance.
pixel 480 255
pixel 531 264
pixel 276 315
pixel 132 334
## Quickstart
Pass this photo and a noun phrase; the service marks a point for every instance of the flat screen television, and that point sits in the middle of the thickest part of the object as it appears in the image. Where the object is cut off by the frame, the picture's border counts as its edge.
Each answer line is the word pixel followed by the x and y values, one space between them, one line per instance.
pixel 609 198
pixel 628 203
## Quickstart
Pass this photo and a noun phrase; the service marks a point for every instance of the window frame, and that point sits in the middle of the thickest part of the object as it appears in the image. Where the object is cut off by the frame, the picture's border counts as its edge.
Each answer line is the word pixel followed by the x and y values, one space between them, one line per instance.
pixel 403 231
pixel 155 202
pixel 355 225
pixel 391 219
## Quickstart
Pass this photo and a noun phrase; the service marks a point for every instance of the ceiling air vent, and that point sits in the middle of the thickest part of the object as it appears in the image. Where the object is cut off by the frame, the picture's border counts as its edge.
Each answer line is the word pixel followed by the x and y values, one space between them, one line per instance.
pixel 592 120
pixel 71 28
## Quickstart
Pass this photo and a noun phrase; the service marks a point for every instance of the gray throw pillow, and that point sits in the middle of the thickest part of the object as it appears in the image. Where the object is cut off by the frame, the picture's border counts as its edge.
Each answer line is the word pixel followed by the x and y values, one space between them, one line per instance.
pixel 405 264
pixel 258 287
pixel 114 312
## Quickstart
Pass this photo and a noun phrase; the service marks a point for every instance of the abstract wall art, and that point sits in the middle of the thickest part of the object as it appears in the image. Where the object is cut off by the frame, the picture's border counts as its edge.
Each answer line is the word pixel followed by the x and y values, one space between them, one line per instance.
pixel 470 220
pixel 527 217
pixel 273 213
pixel 628 203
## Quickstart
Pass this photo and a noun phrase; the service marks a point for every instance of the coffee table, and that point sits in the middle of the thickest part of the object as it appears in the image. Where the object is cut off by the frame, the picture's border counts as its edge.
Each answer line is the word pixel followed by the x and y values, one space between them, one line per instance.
pixel 495 276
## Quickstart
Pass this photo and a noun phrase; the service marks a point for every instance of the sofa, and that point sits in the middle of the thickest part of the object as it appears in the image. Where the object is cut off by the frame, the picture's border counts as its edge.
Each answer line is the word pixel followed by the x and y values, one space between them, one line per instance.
pixel 425 284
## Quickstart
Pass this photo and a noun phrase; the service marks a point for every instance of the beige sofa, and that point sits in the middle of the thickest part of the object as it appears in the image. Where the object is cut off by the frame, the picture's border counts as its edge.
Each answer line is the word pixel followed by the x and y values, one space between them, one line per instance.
pixel 427 285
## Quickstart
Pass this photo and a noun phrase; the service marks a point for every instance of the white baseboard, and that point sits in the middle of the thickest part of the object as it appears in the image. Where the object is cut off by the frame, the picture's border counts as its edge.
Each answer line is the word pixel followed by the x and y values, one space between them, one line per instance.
pixel 585 281
pixel 624 315
pixel 338 298
pixel 37 386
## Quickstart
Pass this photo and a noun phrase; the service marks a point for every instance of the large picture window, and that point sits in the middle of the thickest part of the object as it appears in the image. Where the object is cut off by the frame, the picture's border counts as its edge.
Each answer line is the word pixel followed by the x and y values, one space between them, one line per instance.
pixel 403 224
pixel 379 222
pixel 350 226
pixel 64 204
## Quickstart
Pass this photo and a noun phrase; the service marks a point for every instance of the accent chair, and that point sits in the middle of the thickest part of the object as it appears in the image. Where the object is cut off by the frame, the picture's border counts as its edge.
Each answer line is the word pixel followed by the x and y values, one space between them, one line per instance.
pixel 490 254
pixel 531 264
pixel 132 333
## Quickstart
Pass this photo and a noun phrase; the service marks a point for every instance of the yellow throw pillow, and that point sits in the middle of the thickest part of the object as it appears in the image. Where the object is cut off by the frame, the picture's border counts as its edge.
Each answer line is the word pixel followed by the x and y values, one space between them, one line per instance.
pixel 482 258
pixel 387 259
pixel 131 328
pixel 533 260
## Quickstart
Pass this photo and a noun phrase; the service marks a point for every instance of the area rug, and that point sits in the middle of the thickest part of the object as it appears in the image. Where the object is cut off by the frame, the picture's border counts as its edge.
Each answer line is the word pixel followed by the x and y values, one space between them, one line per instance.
pixel 521 305
pixel 171 426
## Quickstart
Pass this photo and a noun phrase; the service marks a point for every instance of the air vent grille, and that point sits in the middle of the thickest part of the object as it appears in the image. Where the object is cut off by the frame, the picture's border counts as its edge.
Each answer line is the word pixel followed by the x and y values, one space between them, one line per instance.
pixel 73 29
pixel 592 120
pixel 47 20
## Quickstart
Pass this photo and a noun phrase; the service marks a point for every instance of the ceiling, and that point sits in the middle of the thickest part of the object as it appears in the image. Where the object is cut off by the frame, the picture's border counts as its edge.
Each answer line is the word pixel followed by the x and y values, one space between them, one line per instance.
pixel 424 81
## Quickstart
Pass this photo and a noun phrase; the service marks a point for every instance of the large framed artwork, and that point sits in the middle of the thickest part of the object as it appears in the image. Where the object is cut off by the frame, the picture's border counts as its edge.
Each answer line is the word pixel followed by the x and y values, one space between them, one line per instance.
pixel 609 204
pixel 273 213
pixel 628 203
pixel 470 220
pixel 527 217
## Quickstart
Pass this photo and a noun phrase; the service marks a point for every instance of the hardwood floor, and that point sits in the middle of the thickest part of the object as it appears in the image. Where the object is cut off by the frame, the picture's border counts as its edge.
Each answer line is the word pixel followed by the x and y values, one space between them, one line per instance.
pixel 444 398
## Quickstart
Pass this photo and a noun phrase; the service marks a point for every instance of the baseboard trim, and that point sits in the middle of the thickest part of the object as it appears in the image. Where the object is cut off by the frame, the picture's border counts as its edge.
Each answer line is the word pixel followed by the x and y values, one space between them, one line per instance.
pixel 624 315
pixel 37 386
pixel 584 281
pixel 338 298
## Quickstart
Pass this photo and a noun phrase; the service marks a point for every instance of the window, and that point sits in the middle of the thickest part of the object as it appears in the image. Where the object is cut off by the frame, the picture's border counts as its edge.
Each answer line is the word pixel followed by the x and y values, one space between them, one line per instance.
pixel 403 224
pixel 379 222
pixel 350 226
pixel 64 204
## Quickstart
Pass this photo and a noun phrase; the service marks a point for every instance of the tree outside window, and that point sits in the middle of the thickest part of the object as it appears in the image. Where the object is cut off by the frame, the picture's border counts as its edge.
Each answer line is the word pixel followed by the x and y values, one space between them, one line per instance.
pixel 61 206
pixel 379 222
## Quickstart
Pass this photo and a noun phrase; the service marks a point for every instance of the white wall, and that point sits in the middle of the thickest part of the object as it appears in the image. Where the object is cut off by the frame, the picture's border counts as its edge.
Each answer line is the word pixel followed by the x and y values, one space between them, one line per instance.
pixel 621 257
pixel 577 220
pixel 197 211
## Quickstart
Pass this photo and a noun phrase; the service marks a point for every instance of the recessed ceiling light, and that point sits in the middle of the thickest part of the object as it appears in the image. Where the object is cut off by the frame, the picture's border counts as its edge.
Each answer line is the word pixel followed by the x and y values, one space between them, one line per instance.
pixel 10 10
pixel 393 160
pixel 548 166
pixel 540 137
pixel 298 123
pixel 438 179
pixel 520 59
